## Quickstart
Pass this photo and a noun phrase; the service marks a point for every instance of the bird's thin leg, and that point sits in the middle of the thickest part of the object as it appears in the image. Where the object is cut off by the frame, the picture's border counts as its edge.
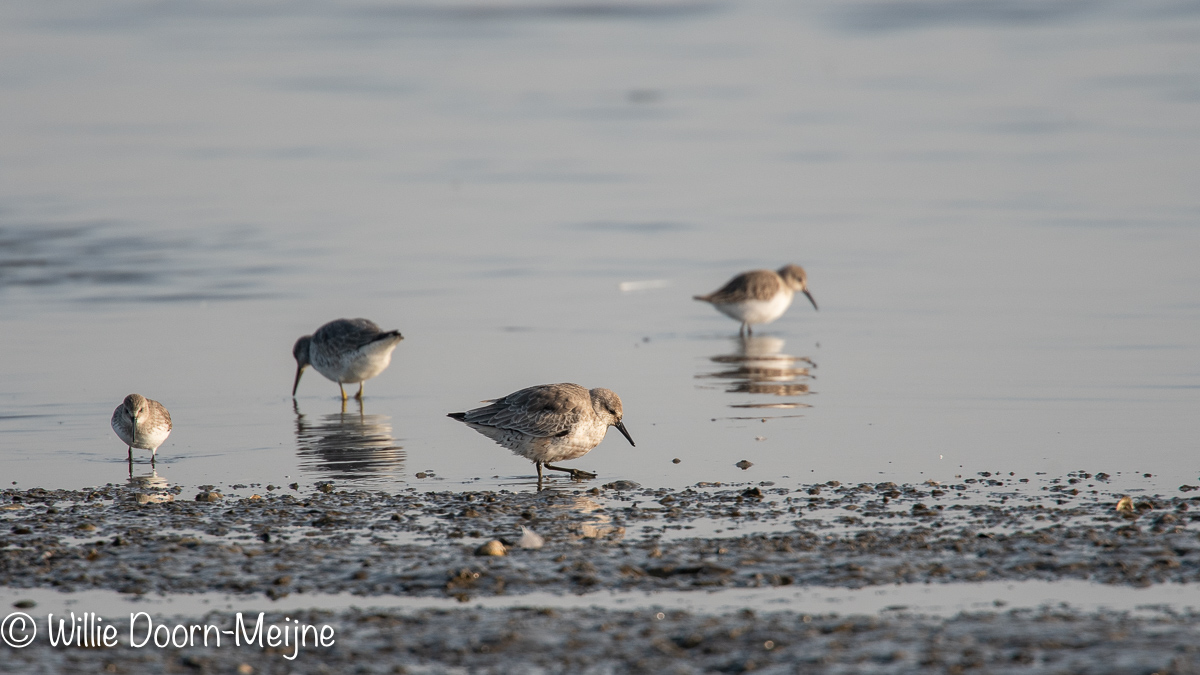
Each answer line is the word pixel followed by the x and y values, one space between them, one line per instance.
pixel 359 395
pixel 742 330
pixel 153 456
pixel 539 470
pixel 131 467
pixel 131 455
pixel 749 330
pixel 343 390
pixel 575 473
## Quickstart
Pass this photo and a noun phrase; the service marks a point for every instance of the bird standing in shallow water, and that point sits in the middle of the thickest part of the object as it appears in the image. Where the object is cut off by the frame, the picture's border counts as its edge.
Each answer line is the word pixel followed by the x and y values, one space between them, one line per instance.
pixel 759 296
pixel 141 423
pixel 549 423
pixel 346 351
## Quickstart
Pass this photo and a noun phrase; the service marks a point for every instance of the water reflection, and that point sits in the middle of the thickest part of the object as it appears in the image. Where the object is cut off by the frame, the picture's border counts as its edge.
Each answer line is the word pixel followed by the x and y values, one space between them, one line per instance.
pixel 759 366
pixel 150 487
pixel 596 524
pixel 551 483
pixel 348 445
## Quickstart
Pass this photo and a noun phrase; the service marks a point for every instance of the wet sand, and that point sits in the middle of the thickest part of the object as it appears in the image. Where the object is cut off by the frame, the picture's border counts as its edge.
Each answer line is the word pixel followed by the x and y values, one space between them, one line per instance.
pixel 274 542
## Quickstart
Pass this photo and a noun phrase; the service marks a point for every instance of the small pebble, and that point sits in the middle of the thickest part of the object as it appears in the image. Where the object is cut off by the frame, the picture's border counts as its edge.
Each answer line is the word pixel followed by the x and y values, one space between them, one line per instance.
pixel 493 547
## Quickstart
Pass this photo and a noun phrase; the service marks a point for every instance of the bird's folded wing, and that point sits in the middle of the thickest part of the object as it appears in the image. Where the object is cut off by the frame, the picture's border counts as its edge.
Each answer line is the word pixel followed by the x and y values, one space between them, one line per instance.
pixel 347 334
pixel 537 411
pixel 755 285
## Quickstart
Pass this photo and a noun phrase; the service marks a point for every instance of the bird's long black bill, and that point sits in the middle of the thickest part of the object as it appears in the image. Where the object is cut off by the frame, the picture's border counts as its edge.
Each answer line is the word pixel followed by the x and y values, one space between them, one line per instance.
pixel 621 428
pixel 810 299
pixel 296 384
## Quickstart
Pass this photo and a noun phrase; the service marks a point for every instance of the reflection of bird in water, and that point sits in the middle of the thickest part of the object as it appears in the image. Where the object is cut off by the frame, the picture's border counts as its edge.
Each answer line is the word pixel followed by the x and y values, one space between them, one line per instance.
pixel 599 525
pixel 141 423
pixel 152 482
pixel 759 296
pixel 760 367
pixel 346 351
pixel 596 524
pixel 346 446
pixel 549 423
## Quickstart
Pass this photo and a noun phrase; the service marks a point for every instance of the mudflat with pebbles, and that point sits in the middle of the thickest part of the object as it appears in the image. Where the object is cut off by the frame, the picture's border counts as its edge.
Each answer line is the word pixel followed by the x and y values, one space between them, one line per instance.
pixel 252 543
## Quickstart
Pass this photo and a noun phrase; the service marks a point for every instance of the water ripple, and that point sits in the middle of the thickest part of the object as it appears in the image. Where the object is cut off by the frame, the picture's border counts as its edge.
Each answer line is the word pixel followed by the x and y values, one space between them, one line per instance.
pixel 115 262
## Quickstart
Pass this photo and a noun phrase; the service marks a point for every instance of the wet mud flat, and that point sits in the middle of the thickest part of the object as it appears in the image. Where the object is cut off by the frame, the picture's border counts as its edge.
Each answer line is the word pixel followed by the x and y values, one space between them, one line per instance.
pixel 619 537
pixel 543 640
pixel 274 542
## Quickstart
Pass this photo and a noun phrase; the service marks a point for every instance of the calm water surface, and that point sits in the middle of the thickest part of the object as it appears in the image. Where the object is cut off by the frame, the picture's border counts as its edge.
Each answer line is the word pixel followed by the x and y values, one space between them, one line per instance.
pixel 996 203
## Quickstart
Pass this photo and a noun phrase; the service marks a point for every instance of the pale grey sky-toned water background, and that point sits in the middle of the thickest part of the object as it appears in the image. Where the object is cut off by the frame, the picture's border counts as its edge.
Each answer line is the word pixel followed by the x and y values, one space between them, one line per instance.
pixel 998 204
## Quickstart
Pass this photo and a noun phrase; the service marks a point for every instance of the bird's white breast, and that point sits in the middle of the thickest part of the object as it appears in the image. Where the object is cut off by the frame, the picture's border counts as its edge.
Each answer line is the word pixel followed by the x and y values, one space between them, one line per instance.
pixel 152 437
pixel 356 366
pixel 758 311
pixel 148 437
pixel 578 443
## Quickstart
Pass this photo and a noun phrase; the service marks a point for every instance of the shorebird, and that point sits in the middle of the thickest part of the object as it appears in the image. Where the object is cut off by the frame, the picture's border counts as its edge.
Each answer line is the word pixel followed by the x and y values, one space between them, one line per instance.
pixel 549 423
pixel 346 351
pixel 759 296
pixel 141 423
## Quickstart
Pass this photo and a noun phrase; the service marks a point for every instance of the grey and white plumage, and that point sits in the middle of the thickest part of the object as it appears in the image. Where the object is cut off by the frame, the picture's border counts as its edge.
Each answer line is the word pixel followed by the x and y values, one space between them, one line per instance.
pixel 549 423
pixel 759 296
pixel 141 423
pixel 346 351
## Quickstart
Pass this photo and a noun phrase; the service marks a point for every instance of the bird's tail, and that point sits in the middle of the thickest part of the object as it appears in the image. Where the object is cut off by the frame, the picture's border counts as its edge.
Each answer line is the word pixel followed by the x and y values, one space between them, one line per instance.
pixel 461 416
pixel 704 298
